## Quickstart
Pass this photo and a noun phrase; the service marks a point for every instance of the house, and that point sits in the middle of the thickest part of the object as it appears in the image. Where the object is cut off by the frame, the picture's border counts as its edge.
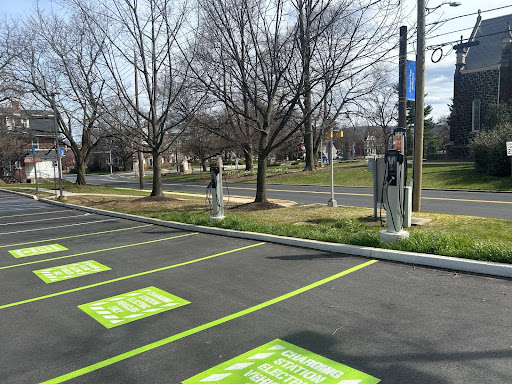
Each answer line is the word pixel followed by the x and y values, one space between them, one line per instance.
pixel 27 144
pixel 483 77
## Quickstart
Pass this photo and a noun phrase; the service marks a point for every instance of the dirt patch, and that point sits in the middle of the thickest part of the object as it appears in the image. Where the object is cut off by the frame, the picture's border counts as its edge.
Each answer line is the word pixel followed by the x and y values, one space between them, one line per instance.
pixel 151 199
pixel 254 207
pixel 148 204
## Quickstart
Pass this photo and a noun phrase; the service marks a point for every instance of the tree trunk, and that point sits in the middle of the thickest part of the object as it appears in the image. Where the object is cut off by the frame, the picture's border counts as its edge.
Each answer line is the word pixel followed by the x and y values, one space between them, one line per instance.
pixel 261 178
pixel 203 165
pixel 305 36
pixel 249 164
pixel 308 137
pixel 80 171
pixel 157 175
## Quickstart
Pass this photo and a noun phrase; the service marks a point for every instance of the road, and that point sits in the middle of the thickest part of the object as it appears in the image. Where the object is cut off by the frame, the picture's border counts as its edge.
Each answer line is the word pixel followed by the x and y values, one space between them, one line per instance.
pixel 473 203
pixel 88 298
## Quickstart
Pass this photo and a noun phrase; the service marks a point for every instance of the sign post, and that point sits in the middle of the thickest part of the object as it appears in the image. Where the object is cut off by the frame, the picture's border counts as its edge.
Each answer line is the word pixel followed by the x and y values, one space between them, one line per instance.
pixel 509 154
pixel 35 170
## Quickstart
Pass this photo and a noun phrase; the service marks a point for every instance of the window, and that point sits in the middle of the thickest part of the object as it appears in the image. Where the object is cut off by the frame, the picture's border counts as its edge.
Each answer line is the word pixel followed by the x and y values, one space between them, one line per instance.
pixel 476 116
pixel 35 143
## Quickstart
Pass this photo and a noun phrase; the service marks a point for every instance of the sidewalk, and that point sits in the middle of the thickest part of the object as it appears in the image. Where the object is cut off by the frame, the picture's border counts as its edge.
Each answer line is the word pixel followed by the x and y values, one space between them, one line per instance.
pixel 231 199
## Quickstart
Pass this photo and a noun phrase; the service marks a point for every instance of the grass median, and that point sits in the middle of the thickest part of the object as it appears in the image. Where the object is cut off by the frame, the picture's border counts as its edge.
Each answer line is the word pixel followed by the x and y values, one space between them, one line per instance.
pixel 449 235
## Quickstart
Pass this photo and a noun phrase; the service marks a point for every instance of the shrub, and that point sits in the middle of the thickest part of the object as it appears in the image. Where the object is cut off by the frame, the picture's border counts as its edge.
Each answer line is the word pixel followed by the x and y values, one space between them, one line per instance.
pixel 489 150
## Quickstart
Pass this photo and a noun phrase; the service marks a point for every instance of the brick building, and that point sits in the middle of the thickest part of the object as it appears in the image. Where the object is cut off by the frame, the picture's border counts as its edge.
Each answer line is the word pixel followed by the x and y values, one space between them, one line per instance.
pixel 483 77
pixel 26 137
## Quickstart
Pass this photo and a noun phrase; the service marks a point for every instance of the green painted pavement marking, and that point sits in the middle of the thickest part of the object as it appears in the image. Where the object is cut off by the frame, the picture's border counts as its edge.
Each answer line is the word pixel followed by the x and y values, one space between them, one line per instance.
pixel 131 306
pixel 125 277
pixel 70 271
pixel 97 251
pixel 75 236
pixel 192 331
pixel 281 362
pixel 35 251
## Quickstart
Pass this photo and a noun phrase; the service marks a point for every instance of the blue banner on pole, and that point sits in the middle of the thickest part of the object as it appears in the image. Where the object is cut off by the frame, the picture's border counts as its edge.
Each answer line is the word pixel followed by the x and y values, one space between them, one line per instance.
pixel 62 151
pixel 411 80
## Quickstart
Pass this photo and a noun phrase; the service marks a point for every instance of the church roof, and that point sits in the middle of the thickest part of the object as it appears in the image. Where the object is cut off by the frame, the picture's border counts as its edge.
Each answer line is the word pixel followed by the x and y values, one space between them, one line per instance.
pixel 490 33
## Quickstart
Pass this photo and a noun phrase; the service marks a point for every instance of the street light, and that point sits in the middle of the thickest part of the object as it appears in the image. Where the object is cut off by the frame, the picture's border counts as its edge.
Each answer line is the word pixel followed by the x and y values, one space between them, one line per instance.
pixel 420 102
pixel 450 3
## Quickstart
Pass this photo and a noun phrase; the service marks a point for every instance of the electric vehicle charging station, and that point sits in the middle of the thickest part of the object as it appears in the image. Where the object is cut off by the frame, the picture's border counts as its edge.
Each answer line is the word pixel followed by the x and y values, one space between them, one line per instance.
pixel 216 188
pixel 396 197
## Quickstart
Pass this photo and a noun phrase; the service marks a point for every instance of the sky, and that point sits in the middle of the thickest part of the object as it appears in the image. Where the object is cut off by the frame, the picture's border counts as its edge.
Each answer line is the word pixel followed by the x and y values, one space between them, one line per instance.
pixel 438 76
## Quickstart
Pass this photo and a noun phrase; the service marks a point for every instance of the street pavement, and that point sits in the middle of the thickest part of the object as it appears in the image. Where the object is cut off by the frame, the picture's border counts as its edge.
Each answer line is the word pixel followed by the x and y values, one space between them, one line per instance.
pixel 88 298
pixel 472 203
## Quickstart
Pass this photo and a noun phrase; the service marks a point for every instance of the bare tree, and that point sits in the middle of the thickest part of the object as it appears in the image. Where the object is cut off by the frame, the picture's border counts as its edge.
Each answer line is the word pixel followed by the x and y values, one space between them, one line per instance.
pixel 199 141
pixel 382 110
pixel 340 42
pixel 147 39
pixel 249 48
pixel 59 64
pixel 10 44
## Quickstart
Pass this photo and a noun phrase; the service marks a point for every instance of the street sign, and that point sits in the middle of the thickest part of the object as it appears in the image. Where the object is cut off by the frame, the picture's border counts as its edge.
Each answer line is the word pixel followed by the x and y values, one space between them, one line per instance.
pixel 509 148
pixel 62 151
pixel 411 80
pixel 337 134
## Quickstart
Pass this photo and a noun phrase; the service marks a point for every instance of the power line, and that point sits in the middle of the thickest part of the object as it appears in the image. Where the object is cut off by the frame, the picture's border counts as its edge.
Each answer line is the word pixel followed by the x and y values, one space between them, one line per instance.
pixel 468 14
pixel 435 46
pixel 463 29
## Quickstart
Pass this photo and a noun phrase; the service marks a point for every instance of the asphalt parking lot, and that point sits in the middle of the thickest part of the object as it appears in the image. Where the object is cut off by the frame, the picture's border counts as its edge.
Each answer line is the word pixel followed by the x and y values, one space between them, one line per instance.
pixel 87 298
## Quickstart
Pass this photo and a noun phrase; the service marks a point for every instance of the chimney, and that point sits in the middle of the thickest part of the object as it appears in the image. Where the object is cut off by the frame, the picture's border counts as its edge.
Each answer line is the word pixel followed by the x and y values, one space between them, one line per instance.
pixel 461 58
pixel 15 105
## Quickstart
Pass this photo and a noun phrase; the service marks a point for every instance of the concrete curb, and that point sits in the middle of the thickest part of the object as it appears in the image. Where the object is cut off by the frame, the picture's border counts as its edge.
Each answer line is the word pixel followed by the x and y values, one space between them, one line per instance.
pixel 422 259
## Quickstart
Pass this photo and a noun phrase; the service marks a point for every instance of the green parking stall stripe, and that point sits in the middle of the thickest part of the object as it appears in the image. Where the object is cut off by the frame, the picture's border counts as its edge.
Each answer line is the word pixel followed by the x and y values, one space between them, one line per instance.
pixel 75 236
pixel 125 277
pixel 192 331
pixel 36 251
pixel 70 271
pixel 97 251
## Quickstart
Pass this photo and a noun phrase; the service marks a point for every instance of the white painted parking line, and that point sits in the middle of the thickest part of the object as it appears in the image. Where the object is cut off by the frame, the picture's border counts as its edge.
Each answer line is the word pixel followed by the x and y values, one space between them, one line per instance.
pixel 50 218
pixel 37 213
pixel 7 201
pixel 58 226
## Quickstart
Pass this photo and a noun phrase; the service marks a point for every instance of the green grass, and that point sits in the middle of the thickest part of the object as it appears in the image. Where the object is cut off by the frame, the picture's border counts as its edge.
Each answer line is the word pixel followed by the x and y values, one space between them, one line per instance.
pixel 461 177
pixel 438 176
pixel 104 190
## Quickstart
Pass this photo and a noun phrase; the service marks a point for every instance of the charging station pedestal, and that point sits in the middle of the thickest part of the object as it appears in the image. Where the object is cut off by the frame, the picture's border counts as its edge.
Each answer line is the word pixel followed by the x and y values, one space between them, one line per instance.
pixel 217 192
pixel 394 191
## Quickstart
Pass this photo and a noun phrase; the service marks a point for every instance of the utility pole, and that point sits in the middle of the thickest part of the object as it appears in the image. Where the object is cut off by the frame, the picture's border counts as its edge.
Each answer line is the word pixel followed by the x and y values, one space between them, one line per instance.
pixel 420 101
pixel 57 148
pixel 419 110
pixel 35 170
pixel 402 91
